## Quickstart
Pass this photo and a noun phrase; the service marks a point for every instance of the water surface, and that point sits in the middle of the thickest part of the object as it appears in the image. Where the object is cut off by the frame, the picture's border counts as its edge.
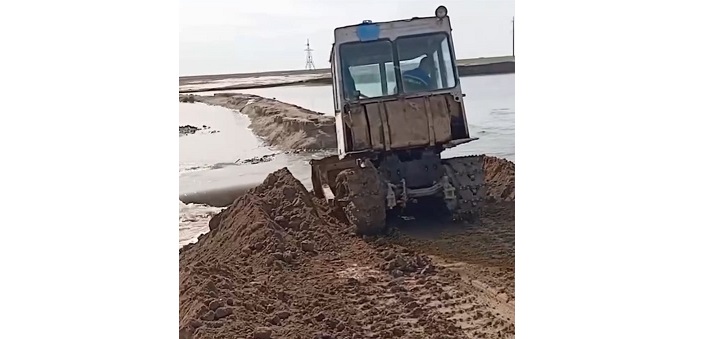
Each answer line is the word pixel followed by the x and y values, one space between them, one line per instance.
pixel 213 161
pixel 490 104
pixel 209 161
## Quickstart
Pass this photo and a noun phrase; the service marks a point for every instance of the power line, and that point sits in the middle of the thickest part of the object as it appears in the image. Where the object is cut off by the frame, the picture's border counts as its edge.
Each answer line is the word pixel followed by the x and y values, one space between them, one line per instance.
pixel 513 21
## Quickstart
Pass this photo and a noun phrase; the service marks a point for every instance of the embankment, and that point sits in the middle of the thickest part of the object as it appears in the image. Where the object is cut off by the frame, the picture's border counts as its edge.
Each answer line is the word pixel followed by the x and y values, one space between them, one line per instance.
pixel 282 125
pixel 506 67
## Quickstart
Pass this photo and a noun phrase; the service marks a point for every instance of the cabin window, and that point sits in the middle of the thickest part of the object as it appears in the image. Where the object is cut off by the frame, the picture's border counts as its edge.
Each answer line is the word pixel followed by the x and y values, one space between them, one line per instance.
pixel 425 62
pixel 367 69
pixel 370 69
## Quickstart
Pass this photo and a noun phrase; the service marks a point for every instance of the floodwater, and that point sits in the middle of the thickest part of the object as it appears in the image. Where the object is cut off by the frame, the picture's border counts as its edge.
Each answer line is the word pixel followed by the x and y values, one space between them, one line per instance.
pixel 259 80
pixel 216 158
pixel 490 104
pixel 313 97
pixel 211 164
pixel 212 167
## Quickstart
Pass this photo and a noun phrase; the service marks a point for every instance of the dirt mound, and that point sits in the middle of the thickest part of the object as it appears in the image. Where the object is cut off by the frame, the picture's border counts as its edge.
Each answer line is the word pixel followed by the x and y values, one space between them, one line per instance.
pixel 277 264
pixel 500 179
pixel 274 223
pixel 284 125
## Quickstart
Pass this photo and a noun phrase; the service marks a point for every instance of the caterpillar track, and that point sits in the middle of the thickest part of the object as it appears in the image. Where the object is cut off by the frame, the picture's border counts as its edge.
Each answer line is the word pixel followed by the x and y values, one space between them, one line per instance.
pixel 361 197
pixel 467 176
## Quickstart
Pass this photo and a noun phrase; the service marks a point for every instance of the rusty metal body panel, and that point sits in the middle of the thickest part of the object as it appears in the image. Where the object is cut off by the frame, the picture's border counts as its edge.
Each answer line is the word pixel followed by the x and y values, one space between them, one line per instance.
pixel 402 124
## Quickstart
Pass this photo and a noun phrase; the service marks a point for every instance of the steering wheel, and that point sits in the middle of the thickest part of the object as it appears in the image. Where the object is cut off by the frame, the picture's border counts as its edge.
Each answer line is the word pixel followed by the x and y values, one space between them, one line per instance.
pixel 357 94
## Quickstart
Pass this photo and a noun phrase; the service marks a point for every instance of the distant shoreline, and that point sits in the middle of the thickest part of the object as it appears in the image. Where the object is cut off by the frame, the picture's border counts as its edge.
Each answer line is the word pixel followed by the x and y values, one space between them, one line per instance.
pixel 467 67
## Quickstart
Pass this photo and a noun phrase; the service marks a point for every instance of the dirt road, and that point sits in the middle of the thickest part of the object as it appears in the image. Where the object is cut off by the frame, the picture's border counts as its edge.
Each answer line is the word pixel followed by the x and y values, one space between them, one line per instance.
pixel 278 264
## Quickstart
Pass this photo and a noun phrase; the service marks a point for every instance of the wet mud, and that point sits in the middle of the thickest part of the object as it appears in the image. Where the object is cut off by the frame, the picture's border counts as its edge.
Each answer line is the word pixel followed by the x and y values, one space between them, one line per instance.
pixel 189 129
pixel 279 263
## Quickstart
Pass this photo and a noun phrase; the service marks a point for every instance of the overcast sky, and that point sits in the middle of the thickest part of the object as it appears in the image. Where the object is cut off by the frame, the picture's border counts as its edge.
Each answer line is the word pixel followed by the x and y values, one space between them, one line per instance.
pixel 229 36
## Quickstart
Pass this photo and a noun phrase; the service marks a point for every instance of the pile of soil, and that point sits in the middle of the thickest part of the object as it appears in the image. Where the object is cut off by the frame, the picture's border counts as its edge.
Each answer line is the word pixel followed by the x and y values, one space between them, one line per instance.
pixel 278 264
pixel 499 179
pixel 284 125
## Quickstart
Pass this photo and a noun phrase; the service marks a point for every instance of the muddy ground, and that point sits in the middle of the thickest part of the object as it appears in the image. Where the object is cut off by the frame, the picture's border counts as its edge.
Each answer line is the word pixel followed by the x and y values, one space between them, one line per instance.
pixel 282 125
pixel 277 263
pixel 189 129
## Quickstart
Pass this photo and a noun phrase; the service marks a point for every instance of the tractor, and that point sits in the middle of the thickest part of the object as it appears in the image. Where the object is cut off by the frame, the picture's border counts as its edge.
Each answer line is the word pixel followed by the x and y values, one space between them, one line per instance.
pixel 398 104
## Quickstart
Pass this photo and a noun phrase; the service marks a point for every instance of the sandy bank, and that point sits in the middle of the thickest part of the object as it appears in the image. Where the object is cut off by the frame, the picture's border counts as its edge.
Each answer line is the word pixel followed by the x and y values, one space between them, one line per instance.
pixel 282 125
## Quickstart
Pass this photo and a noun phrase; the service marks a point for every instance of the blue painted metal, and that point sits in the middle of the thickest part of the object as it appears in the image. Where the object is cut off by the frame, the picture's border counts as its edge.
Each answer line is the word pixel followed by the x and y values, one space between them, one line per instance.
pixel 368 31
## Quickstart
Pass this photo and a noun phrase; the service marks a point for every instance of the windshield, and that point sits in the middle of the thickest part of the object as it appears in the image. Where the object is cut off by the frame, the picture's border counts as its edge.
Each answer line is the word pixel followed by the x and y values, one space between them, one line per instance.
pixel 368 68
pixel 425 62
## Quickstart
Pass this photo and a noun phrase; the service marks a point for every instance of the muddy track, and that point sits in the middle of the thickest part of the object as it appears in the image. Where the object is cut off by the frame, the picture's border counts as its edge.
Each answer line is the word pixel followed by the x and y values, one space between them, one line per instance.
pixel 478 268
pixel 467 176
pixel 360 194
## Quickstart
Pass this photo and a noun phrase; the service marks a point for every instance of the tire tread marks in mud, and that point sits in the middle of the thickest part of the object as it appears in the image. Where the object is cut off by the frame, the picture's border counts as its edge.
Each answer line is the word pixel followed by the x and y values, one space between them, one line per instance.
pixel 361 198
pixel 467 175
